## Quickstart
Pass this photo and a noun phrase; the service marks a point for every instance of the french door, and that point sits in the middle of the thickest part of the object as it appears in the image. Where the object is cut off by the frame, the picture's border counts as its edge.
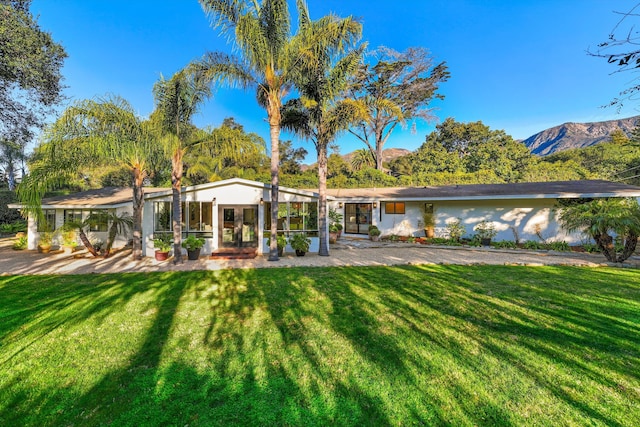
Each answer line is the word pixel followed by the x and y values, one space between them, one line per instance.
pixel 237 226
pixel 357 218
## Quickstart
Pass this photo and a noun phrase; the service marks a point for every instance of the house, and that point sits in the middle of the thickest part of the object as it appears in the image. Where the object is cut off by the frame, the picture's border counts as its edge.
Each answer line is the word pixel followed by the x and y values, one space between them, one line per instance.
pixel 236 213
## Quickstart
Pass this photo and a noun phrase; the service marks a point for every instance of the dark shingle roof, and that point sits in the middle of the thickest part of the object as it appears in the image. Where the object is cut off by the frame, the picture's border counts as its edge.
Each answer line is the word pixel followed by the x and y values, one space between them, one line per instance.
pixel 108 196
pixel 557 189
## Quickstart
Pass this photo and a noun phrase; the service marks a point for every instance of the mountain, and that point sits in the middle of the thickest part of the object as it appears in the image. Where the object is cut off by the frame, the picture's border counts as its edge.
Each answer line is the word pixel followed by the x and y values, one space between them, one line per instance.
pixel 577 135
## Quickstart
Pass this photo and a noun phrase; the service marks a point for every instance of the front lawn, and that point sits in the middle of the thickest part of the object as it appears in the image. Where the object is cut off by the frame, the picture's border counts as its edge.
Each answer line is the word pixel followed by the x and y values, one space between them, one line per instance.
pixel 423 345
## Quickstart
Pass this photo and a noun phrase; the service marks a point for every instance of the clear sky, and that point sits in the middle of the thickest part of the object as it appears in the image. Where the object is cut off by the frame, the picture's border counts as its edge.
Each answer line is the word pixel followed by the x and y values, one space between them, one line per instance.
pixel 516 65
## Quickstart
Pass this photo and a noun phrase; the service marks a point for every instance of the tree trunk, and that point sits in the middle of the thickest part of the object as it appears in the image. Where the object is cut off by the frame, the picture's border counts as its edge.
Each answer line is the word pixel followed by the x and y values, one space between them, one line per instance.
pixel 138 201
pixel 176 184
pixel 274 129
pixel 379 156
pixel 630 243
pixel 605 243
pixel 322 203
pixel 85 241
pixel 113 231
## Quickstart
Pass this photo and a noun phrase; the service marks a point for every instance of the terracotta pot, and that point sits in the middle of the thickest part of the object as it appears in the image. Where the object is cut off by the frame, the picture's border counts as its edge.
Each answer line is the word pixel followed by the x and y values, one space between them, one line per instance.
pixel 429 232
pixel 162 256
pixel 333 237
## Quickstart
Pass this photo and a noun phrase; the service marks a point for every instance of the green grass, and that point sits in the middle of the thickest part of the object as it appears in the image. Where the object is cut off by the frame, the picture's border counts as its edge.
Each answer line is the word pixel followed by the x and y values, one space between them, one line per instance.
pixel 414 345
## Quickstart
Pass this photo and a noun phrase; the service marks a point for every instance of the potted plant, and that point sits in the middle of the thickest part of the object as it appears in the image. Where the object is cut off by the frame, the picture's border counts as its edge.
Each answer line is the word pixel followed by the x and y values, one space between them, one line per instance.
pixel 69 238
pixel 333 233
pixel 193 245
pixel 485 231
pixel 374 233
pixel 456 229
pixel 429 223
pixel 281 242
pixel 44 244
pixel 300 243
pixel 162 243
pixel 335 223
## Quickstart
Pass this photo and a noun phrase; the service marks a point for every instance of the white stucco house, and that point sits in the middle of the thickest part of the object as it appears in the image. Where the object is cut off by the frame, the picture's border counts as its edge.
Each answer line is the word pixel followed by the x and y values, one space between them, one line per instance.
pixel 235 213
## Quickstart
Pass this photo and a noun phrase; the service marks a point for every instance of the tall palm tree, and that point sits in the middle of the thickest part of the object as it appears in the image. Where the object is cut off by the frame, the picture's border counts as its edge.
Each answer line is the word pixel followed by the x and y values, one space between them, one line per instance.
pixel 177 101
pixel 269 56
pixel 93 133
pixel 319 114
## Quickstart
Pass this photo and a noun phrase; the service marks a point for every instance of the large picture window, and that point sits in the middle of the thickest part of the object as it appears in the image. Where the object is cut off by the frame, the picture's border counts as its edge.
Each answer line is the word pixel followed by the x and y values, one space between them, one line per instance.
pixel 71 215
pixel 197 218
pixel 294 217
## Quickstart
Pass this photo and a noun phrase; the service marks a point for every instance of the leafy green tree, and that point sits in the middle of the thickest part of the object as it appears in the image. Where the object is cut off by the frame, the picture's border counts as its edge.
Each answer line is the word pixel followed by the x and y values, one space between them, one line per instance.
pixel 30 79
pixel 93 133
pixel 618 137
pixel 362 158
pixel 291 158
pixel 396 90
pixel 602 219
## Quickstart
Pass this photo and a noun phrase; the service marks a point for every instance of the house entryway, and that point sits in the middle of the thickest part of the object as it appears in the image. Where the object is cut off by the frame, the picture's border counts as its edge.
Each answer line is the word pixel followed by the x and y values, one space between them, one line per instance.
pixel 358 217
pixel 237 231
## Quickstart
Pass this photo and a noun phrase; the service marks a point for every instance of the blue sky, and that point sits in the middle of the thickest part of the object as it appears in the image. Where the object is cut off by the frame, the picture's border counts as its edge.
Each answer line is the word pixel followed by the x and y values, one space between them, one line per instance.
pixel 516 65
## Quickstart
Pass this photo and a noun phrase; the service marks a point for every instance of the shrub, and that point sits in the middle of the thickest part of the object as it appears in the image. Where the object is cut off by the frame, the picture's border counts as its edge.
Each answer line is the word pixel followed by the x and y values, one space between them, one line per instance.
pixel 504 244
pixel 532 244
pixel 20 243
pixel 485 230
pixel 162 242
pixel 281 241
pixel 558 246
pixel 455 229
pixel 374 231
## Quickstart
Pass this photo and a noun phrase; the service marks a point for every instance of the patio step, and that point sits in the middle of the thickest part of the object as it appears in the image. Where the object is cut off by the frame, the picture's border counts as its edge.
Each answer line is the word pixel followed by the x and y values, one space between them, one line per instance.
pixel 234 253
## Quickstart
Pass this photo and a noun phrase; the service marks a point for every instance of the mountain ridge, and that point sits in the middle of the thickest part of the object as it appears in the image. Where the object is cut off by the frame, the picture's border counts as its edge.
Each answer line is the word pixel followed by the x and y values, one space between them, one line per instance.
pixel 571 135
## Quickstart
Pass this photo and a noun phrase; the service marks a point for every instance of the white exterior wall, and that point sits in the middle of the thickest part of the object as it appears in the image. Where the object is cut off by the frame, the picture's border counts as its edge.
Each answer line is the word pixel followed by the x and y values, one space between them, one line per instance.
pixel 524 215
pixel 33 236
pixel 232 194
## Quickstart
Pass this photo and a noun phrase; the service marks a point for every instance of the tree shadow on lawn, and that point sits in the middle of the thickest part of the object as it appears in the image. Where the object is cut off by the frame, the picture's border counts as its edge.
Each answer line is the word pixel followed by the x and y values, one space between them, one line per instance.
pixel 530 325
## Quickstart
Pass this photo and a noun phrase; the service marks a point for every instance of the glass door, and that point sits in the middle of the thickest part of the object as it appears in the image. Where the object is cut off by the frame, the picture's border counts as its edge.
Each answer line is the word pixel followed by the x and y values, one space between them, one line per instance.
pixel 357 218
pixel 238 226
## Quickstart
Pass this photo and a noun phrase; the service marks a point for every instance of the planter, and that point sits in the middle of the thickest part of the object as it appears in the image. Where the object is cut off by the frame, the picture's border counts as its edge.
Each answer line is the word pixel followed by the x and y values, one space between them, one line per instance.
pixel 280 251
pixel 374 238
pixel 300 253
pixel 193 254
pixel 67 249
pixel 485 242
pixel 45 249
pixel 429 232
pixel 162 256
pixel 333 237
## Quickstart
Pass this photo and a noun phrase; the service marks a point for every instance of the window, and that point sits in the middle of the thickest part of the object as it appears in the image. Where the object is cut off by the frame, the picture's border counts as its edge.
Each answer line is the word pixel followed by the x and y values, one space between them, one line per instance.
pixel 49 220
pixel 162 216
pixel 394 208
pixel 294 216
pixel 197 218
pixel 99 221
pixel 71 215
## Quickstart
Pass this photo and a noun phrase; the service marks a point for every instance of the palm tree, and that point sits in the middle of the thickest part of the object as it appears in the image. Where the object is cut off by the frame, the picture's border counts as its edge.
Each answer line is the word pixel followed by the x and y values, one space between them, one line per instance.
pixel 269 57
pixel 177 101
pixel 93 133
pixel 602 218
pixel 319 115
pixel 362 158
pixel 119 225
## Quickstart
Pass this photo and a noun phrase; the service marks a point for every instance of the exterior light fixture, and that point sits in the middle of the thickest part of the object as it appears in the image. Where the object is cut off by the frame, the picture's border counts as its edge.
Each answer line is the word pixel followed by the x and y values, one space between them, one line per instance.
pixel 213 201
pixel 375 205
pixel 340 205
pixel 261 201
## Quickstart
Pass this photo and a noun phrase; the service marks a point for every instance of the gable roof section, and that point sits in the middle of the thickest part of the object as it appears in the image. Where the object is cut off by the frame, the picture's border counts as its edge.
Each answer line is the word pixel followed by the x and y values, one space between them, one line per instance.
pixel 232 181
pixel 523 190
